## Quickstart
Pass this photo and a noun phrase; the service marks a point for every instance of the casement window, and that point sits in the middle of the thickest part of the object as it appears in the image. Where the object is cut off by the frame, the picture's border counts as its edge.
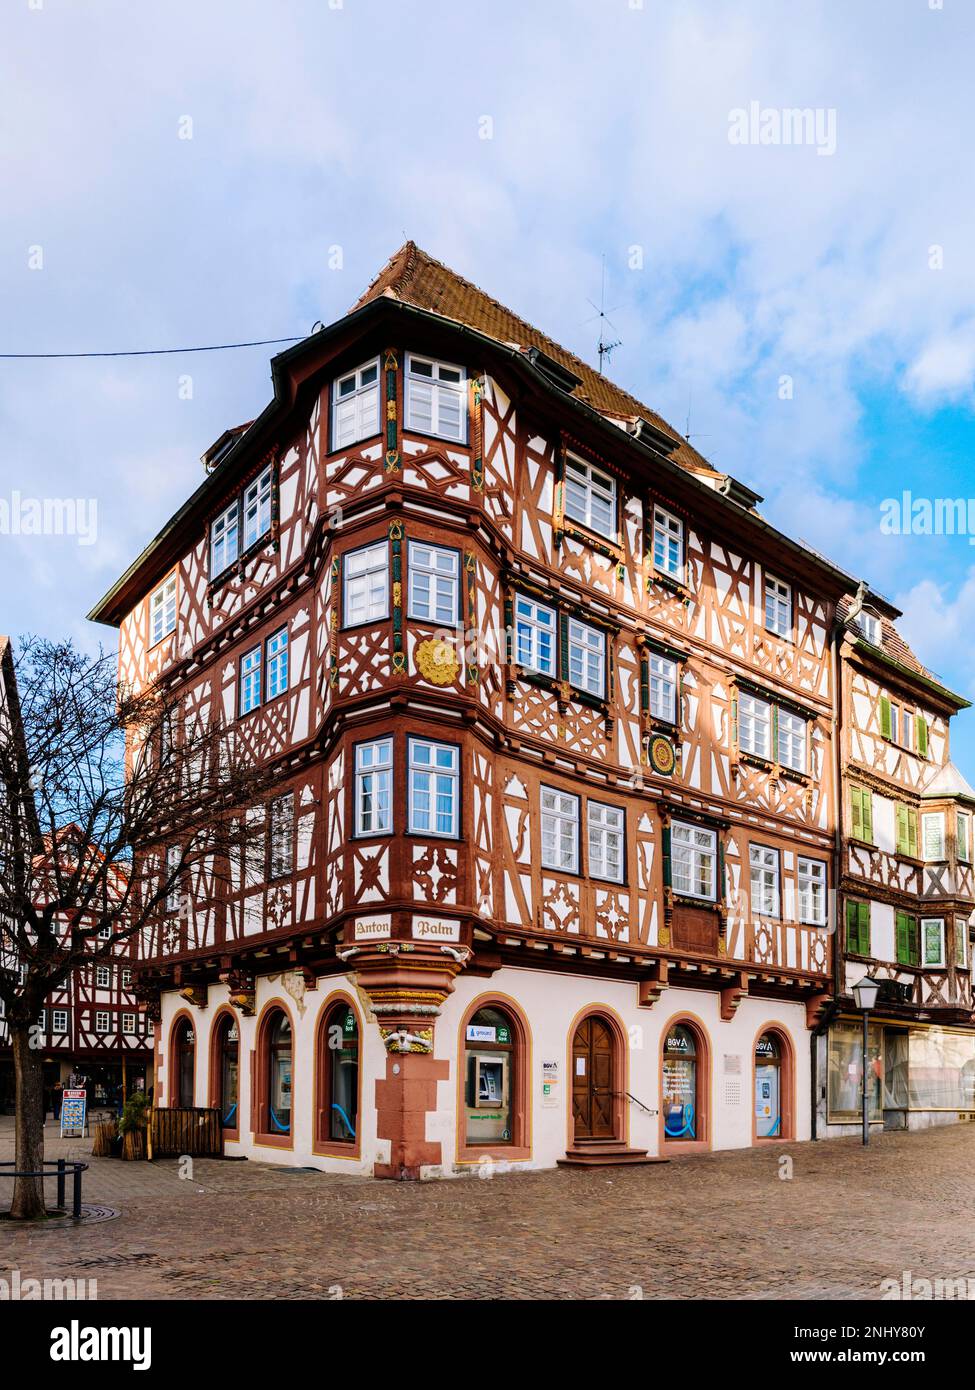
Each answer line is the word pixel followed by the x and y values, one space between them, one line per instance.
pixel 907 730
pixel 257 507
pixel 254 838
pixel 791 740
pixel 224 539
pixel 59 1021
pixel 590 497
pixel 374 787
pixel 355 405
pixel 436 398
pixel 434 584
pixel 905 824
pixel 964 823
pixel 535 629
pixel 778 607
pixel 870 625
pixel 128 1024
pixel 174 891
pixel 861 814
pixel 126 977
pixel 663 688
pixel 961 944
pixel 933 937
pixel 606 826
pixel 763 865
pixel 587 658
pixel 282 836
pixel 890 722
pixel 560 830
pixel 101 1022
pixel 933 827
pixel 103 976
pixel 811 880
pixel 668 544
pixel 434 788
pixel 250 680
pixel 694 859
pixel 276 658
pixel 366 584
pixel 104 933
pixel 754 725
pixel 857 928
pixel 162 611
pixel 907 939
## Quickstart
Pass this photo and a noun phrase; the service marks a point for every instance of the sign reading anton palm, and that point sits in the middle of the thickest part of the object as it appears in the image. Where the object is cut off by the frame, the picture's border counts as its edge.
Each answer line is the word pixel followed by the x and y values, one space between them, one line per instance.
pixel 560 895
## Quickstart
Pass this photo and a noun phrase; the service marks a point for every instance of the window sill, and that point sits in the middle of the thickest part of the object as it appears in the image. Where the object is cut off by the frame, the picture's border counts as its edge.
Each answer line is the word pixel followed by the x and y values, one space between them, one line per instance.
pixel 336 1148
pixel 274 1141
pixel 668 581
pixel 611 546
pixel 689 900
pixel 235 570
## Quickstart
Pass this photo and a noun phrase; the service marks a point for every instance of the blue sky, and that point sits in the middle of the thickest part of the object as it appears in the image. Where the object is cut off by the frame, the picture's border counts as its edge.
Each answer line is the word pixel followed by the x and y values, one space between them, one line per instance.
pixel 318 125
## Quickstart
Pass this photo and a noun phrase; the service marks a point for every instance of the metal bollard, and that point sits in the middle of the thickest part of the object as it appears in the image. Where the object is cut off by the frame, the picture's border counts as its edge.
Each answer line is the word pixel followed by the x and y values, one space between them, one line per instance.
pixel 60 1202
pixel 76 1204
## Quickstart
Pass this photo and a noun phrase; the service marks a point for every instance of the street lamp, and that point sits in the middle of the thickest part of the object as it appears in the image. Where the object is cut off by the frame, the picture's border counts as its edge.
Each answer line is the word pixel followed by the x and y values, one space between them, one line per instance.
pixel 865 993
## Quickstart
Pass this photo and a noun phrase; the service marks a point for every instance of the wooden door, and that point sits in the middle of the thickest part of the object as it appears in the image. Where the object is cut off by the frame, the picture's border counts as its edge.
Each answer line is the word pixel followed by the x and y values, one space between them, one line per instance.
pixel 593 1080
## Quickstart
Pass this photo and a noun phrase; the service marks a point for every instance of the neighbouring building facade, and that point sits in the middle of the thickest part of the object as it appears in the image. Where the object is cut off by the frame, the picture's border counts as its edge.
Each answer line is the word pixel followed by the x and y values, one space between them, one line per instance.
pixel 548 874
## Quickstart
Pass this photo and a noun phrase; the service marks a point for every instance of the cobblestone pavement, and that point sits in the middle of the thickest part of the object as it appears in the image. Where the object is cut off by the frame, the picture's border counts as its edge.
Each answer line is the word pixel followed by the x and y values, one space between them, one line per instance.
pixel 713 1226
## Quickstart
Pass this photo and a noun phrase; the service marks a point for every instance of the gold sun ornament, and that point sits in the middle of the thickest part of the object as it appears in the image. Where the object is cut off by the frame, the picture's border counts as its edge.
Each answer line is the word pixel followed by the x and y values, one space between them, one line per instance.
pixel 437 661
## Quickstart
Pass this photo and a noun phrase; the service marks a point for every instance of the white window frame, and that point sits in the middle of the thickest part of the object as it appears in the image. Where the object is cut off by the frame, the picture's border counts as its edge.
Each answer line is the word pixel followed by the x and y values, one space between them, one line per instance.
pixel 925 923
pixel 126 977
pixel 276 663
pixel 812 885
pixel 444 584
pixel 778 606
pixel 162 610
pixel 174 892
pixel 793 733
pixel 441 391
pixel 664 676
pixel 587 495
pixel 907 728
pixel 935 820
pixel 250 680
pixel 373 787
pixel 751 720
pixel 693 849
pixel 102 1021
pixel 668 535
pixel 590 657
pixel 256 507
pixel 224 539
pixel 128 1024
pixel 871 628
pixel 103 977
pixel 443 778
pixel 281 836
pixel 559 829
pixel 764 881
pixel 895 723
pixel 360 586
pixel 606 827
pixel 365 401
pixel 964 836
pixel 536 623
pixel 59 1020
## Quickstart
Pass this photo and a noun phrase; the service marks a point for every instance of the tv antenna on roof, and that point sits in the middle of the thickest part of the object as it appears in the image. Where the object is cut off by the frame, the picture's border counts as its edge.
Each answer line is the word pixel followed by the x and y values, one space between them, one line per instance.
pixel 604 348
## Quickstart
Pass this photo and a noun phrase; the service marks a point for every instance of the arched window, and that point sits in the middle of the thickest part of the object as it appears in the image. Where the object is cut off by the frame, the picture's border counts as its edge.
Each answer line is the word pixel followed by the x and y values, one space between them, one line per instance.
pixel 224 1071
pixel 768 1087
pixel 279 1055
pixel 182 1061
pixel 338 1076
pixel 681 1089
pixel 490 1078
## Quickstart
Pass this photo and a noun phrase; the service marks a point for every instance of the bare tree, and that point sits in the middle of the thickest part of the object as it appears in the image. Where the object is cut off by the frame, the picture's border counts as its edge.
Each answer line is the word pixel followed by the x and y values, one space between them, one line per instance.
pixel 111 802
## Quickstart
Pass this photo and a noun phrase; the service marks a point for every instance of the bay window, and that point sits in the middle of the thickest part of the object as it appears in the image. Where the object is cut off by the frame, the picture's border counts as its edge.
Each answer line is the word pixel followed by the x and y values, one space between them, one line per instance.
pixel 590 497
pixel 366 584
pixel 694 857
pixel 587 658
pixel 355 405
pixel 436 398
pixel 606 826
pixel 663 688
pixel 560 830
pixel 434 788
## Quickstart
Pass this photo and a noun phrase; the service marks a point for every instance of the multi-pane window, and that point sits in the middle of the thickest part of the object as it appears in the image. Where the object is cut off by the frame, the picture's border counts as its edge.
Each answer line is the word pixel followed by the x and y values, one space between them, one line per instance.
pixel 162 611
pixel 101 1022
pixel 663 688
pixel 257 507
pixel 434 788
pixel 560 830
pixel 224 539
pixel 436 398
pixel 907 727
pixel 535 626
pixel 128 1023
pixel 174 890
pixel 668 544
pixel 126 977
pixel 250 680
pixel 869 624
pixel 694 856
pixel 355 405
pixel 811 879
pixel 282 836
pixel 791 740
pixel 933 828
pixel 587 658
pixel 366 579
pixel 933 936
pixel 964 822
pixel 754 725
pixel 434 584
pixel 606 827
pixel 778 607
pixel 59 1021
pixel 590 497
pixel 276 656
pixel 858 928
pixel 103 976
pixel 764 868
pixel 961 943
pixel 374 787
pixel 861 814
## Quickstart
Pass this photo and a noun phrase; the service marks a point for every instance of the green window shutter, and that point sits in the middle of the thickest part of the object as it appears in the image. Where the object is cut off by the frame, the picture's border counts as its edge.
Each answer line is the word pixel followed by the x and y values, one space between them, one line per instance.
pixel 912 846
pixel 852 923
pixel 867 814
pixel 902 830
pixel 903 943
pixel 914 934
pixel 886 723
pixel 863 936
pixel 856 815
pixel 922 736
pixel 774 750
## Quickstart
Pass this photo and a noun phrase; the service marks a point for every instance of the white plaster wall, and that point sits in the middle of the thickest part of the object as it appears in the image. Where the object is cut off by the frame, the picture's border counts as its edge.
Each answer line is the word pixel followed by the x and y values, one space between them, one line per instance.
pixel 884 824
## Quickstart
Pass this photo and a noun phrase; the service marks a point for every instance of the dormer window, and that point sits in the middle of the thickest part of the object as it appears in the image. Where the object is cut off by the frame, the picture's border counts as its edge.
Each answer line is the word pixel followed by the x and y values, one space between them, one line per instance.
pixel 355 405
pixel 436 398
pixel 257 509
pixel 869 624
pixel 590 497
pixel 249 514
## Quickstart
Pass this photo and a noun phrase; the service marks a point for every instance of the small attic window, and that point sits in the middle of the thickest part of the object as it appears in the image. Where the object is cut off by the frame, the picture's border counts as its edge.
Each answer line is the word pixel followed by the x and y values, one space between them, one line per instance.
pixel 553 371
pixel 869 625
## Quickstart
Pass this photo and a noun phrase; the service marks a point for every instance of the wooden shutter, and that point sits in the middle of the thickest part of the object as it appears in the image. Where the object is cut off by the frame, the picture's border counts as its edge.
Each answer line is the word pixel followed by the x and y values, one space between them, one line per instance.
pixel 886 723
pixel 901 931
pixel 852 923
pixel 863 935
pixel 914 940
pixel 922 736
pixel 866 798
pixel 902 829
pixel 856 815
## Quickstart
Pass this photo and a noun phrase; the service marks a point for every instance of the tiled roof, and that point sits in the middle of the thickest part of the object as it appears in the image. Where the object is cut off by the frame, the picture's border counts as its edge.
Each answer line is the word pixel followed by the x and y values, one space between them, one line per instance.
pixel 416 278
pixel 893 643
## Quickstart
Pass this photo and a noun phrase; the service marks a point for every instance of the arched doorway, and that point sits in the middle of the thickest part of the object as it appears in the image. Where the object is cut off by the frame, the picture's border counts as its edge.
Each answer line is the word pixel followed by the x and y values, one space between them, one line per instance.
pixel 594 1079
pixel 225 1072
pixel 182 1062
pixel 773 1085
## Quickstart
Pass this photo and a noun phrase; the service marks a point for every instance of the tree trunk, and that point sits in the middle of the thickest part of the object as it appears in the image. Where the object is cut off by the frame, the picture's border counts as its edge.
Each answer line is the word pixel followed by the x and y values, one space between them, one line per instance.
pixel 28 1200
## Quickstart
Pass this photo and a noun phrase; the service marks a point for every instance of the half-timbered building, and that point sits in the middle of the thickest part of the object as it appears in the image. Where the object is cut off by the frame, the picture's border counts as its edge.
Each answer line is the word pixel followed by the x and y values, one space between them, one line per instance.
pixel 548 870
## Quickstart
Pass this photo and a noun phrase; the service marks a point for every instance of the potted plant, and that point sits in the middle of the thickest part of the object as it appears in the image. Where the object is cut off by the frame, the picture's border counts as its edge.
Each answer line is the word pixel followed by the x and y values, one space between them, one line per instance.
pixel 132 1125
